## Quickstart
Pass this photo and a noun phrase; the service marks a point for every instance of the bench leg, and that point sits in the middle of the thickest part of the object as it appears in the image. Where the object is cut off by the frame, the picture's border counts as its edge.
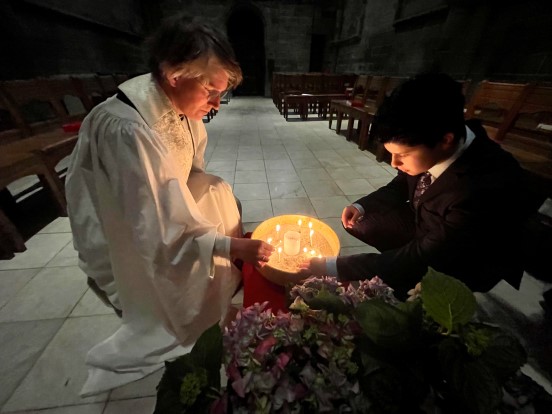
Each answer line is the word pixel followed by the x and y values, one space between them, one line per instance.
pixel 350 127
pixel 51 181
pixel 11 240
pixel 338 122
pixel 363 136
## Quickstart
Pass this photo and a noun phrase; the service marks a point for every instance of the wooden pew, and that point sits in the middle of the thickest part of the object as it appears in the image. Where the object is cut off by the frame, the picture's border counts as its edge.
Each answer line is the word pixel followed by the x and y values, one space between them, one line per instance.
pixel 290 84
pixel 496 105
pixel 343 108
pixel 529 134
pixel 39 105
pixel 39 109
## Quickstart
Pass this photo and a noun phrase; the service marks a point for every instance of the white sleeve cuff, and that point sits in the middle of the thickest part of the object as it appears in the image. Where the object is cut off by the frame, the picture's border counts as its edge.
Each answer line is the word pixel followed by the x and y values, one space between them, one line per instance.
pixel 222 245
pixel 359 208
pixel 331 266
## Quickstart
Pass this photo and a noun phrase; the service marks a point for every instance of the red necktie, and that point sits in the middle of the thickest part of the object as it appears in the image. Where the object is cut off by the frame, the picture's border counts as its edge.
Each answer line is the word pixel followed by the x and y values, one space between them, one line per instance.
pixel 423 183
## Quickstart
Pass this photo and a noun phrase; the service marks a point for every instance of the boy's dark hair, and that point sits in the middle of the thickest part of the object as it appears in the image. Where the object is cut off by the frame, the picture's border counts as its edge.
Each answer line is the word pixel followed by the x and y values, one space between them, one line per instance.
pixel 179 41
pixel 421 111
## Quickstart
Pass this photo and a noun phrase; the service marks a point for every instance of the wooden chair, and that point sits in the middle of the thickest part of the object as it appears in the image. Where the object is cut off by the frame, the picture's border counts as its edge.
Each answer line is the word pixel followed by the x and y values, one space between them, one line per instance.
pixel 496 105
pixel 10 128
pixel 386 87
pixel 343 108
pixel 38 105
pixel 24 158
pixel 276 87
pixel 298 103
pixel 291 84
pixel 333 83
pixel 45 142
pixel 63 90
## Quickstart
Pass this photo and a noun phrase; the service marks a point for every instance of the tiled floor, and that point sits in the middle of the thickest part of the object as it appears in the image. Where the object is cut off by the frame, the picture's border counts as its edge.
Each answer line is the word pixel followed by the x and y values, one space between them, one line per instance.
pixel 49 319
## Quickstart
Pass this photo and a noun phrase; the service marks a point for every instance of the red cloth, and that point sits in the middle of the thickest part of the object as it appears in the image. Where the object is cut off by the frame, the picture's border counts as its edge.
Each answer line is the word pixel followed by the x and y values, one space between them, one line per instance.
pixel 257 289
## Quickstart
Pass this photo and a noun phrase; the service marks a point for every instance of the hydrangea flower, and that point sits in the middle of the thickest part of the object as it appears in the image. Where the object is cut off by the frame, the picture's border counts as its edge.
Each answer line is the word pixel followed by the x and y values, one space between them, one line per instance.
pixel 300 361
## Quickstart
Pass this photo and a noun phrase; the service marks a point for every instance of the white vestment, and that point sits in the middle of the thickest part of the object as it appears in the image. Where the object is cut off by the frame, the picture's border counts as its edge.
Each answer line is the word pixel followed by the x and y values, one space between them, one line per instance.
pixel 151 229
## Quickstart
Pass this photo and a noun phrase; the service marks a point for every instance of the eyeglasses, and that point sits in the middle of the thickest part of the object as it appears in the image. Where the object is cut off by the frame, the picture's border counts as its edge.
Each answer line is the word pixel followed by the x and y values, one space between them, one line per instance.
pixel 212 94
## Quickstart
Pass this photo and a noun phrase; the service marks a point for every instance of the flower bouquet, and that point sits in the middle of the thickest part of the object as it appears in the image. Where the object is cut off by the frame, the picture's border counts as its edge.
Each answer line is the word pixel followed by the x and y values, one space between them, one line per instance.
pixel 349 349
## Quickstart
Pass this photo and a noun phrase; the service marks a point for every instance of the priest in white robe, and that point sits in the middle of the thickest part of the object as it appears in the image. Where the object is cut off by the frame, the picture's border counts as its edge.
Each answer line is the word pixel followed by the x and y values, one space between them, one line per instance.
pixel 153 231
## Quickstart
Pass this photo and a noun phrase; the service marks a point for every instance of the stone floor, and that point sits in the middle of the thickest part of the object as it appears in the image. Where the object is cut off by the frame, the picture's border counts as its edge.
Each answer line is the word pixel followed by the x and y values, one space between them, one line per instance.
pixel 49 318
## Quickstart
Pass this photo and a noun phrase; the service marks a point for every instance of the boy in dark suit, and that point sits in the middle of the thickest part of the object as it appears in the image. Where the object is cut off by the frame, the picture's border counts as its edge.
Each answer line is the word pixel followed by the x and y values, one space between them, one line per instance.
pixel 456 204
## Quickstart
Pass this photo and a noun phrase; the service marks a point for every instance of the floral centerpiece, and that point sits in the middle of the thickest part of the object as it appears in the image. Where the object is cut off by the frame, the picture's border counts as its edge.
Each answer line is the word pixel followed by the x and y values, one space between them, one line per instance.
pixel 349 349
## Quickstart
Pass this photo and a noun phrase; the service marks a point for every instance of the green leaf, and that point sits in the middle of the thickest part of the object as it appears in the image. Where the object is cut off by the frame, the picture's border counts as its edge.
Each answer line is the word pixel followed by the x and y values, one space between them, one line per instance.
pixel 469 382
pixel 168 394
pixel 207 353
pixel 384 324
pixel 327 301
pixel 447 301
pixel 504 356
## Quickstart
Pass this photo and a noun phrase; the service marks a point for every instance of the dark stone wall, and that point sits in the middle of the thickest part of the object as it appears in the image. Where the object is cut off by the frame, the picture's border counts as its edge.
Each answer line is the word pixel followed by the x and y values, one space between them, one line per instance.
pixel 474 39
pixel 49 37
pixel 288 26
pixel 500 40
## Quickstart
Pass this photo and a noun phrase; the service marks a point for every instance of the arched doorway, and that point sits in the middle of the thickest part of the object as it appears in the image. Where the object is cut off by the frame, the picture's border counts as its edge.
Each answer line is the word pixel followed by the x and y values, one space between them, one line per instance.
pixel 246 33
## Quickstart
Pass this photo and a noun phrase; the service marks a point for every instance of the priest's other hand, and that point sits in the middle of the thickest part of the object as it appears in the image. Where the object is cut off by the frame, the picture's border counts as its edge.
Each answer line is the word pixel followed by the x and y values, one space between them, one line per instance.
pixel 253 251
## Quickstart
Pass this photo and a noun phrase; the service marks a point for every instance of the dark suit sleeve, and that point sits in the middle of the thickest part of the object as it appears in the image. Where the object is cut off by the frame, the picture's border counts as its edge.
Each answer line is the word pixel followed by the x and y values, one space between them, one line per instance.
pixel 400 268
pixel 388 196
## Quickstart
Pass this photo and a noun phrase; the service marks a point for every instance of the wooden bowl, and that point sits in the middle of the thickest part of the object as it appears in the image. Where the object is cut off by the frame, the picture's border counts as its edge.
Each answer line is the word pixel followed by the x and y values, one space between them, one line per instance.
pixel 324 240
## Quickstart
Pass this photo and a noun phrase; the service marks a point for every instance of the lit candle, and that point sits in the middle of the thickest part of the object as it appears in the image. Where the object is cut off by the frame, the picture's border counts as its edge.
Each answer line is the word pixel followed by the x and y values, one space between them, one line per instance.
pixel 313 252
pixel 292 243
pixel 279 253
pixel 305 250
pixel 269 240
pixel 299 222
pixel 310 236
pixel 277 230
pixel 310 225
pixel 320 256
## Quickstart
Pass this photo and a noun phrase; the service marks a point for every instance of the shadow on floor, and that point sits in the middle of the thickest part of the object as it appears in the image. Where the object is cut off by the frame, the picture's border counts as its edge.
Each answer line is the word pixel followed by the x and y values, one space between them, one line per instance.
pixel 31 214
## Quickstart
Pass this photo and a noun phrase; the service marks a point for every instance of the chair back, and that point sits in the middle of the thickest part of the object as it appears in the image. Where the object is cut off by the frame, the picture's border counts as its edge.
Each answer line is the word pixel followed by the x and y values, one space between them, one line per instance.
pixel 293 83
pixel 360 89
pixel 496 105
pixel 39 105
pixel 313 83
pixel 90 88
pixel 10 127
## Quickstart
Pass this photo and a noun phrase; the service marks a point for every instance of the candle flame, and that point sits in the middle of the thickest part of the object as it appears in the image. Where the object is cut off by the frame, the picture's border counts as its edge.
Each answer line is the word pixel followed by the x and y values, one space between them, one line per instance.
pixel 299 222
pixel 311 233
pixel 277 227
pixel 310 225
pixel 279 250
pixel 313 252
pixel 269 240
pixel 320 256
pixel 305 249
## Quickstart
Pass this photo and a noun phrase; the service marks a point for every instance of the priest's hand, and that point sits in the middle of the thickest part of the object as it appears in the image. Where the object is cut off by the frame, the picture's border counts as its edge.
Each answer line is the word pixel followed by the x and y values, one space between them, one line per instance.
pixel 350 216
pixel 253 251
